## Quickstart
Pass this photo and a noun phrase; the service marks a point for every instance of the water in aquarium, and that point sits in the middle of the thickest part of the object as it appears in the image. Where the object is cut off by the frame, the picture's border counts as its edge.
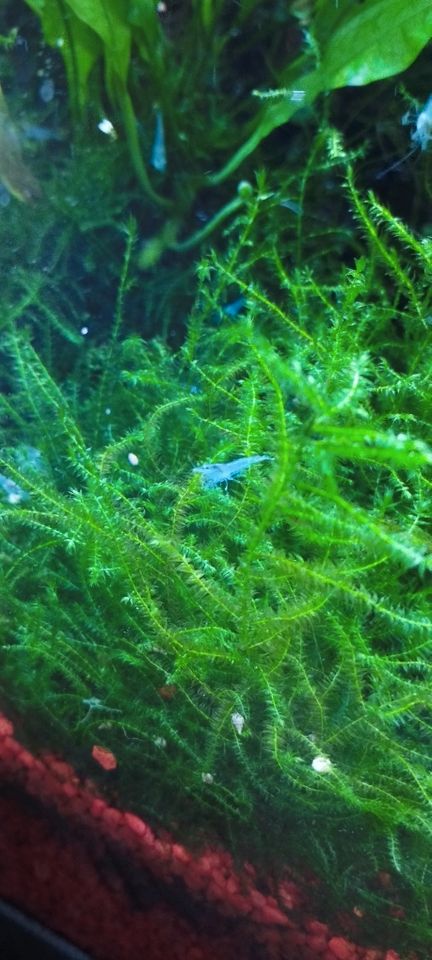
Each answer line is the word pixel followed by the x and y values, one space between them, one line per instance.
pixel 215 479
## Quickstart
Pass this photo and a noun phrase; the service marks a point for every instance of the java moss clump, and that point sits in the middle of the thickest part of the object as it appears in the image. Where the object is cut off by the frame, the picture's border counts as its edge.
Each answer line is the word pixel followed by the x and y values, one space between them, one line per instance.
pixel 251 639
pixel 256 652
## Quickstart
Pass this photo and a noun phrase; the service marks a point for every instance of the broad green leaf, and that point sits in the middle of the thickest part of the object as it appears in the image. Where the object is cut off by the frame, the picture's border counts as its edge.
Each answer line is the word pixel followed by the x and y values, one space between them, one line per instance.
pixel 147 30
pixel 363 42
pixel 79 45
pixel 109 22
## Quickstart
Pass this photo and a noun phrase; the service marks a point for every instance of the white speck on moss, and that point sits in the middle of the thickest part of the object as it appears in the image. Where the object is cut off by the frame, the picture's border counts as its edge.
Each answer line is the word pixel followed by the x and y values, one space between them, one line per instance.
pixel 237 721
pixel 322 764
pixel 160 742
pixel 105 126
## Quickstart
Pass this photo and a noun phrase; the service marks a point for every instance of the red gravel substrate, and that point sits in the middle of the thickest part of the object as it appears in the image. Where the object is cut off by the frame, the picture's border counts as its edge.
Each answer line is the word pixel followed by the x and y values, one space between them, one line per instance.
pixel 104 880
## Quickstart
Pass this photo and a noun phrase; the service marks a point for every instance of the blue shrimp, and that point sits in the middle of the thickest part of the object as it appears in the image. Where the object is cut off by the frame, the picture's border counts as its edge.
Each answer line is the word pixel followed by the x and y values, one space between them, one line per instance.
pixel 212 474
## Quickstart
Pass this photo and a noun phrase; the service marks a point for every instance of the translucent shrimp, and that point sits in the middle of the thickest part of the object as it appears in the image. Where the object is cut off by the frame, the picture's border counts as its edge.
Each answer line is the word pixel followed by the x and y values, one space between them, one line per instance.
pixel 212 474
pixel 421 136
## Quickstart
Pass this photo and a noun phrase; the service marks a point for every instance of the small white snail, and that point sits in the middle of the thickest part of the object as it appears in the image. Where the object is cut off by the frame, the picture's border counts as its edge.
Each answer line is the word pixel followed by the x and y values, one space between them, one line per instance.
pixel 238 722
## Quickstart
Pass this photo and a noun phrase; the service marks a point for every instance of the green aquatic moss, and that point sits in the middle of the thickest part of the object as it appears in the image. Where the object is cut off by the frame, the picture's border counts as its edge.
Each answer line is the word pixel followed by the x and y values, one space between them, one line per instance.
pixel 257 654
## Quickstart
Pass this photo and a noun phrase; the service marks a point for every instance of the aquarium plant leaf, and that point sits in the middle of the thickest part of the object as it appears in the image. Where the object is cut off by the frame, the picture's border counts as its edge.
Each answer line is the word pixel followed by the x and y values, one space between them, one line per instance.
pixel 148 36
pixel 355 44
pixel 79 45
pixel 302 93
pixel 364 42
pixel 109 22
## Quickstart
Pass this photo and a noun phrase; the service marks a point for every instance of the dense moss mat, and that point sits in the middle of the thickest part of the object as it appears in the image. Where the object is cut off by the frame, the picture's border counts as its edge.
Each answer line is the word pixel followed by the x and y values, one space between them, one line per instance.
pixel 257 652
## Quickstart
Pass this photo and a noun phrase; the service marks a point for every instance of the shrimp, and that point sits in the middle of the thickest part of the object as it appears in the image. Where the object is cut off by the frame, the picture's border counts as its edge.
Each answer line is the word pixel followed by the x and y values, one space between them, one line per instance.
pixel 213 474
pixel 421 135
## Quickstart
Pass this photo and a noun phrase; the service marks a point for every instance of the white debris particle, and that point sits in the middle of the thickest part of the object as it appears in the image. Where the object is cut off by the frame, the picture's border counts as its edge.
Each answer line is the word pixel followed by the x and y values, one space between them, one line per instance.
pixel 133 459
pixel 297 96
pixel 322 764
pixel 105 126
pixel 207 778
pixel 14 498
pixel 237 721
pixel 14 494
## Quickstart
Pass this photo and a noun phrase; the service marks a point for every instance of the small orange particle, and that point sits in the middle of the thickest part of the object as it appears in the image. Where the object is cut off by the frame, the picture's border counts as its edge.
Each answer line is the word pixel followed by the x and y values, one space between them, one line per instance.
pixel 397 912
pixel 384 879
pixel 104 757
pixel 168 691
